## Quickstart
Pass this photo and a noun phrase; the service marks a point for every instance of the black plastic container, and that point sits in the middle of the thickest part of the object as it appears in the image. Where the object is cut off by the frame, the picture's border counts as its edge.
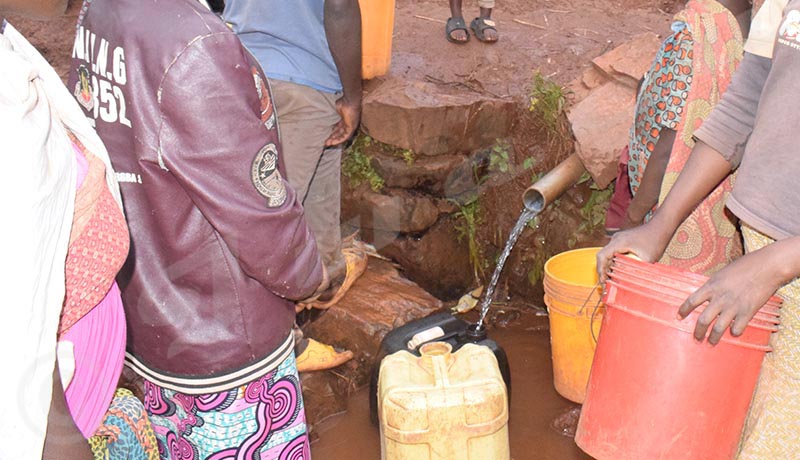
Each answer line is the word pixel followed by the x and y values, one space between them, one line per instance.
pixel 438 327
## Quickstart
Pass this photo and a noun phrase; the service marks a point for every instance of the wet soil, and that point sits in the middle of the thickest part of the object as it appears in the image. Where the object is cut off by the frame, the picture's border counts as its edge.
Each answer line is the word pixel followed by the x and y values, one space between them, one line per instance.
pixel 541 423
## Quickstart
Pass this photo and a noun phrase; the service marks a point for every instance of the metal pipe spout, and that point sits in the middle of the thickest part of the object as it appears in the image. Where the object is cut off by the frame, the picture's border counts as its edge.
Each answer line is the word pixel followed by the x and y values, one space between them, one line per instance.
pixel 553 184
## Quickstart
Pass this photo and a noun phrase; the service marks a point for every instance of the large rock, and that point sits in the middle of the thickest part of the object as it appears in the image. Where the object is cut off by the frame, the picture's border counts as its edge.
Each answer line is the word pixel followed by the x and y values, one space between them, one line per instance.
pixel 434 119
pixel 625 64
pixel 424 173
pixel 394 210
pixel 378 302
pixel 628 62
pixel 437 260
pixel 601 123
pixel 582 86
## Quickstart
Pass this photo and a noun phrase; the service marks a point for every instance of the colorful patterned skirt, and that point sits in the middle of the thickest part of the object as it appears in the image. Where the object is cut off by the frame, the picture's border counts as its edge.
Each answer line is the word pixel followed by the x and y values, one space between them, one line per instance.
pixel 263 419
pixel 125 433
pixel 772 430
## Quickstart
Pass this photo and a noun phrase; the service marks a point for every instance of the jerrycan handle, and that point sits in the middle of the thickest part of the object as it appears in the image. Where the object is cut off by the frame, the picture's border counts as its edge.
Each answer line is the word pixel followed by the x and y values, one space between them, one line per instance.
pixel 436 359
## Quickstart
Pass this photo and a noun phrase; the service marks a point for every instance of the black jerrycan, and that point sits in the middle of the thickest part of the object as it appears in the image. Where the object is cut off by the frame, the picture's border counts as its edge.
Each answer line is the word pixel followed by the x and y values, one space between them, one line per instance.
pixel 438 327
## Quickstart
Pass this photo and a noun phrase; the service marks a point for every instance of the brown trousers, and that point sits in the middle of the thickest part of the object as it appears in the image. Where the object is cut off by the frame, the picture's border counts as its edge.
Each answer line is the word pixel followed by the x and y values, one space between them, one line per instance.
pixel 306 118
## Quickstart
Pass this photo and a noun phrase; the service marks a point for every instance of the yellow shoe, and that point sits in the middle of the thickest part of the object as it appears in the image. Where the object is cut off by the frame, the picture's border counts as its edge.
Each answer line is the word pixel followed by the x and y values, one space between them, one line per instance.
pixel 318 357
pixel 356 263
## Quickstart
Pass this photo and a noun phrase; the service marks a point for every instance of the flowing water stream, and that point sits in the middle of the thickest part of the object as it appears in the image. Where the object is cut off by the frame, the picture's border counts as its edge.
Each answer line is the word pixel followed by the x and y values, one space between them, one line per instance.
pixel 526 216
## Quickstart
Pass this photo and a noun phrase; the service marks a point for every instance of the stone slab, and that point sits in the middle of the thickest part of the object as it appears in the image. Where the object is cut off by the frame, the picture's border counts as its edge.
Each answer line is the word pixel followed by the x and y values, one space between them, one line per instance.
pixel 434 119
pixel 601 124
pixel 628 62
pixel 392 210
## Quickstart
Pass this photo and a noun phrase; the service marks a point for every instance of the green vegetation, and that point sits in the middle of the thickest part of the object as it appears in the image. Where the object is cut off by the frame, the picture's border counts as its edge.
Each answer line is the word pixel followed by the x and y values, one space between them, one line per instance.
pixel 529 163
pixel 549 100
pixel 468 219
pixel 407 155
pixel 357 166
pixel 498 157
pixel 536 273
pixel 593 211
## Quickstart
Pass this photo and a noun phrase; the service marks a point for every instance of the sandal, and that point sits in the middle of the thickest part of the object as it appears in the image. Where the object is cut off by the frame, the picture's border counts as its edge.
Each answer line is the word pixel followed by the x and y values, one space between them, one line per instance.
pixel 479 27
pixel 454 24
pixel 319 357
pixel 356 260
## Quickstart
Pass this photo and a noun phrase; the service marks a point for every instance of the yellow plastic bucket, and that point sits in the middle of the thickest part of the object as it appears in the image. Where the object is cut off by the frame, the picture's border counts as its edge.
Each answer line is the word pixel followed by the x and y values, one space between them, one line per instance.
pixel 377 27
pixel 572 296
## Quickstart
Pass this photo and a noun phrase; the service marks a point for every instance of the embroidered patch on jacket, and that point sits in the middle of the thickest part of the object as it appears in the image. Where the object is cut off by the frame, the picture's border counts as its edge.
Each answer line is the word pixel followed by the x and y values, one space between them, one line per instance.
pixel 267 110
pixel 266 177
pixel 83 89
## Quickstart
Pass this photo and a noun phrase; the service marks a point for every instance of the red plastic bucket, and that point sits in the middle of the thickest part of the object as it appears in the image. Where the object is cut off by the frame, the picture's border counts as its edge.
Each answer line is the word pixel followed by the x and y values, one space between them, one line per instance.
pixel 656 393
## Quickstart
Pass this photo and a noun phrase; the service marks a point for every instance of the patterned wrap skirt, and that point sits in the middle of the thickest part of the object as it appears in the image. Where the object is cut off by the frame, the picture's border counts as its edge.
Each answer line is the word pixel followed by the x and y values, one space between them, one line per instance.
pixel 263 419
pixel 773 424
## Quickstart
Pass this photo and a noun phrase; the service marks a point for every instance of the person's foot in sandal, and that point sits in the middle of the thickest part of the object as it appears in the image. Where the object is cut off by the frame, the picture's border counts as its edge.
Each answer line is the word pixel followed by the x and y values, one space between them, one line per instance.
pixel 484 28
pixel 356 263
pixel 456 30
pixel 317 356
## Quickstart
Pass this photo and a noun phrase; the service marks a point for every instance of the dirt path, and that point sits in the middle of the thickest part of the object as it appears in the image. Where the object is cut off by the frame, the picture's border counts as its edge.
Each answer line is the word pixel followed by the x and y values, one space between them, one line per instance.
pixel 557 37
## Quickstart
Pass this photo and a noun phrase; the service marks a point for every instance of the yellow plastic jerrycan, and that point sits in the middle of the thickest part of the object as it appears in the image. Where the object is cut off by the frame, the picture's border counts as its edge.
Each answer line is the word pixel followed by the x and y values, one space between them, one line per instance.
pixel 443 405
pixel 377 27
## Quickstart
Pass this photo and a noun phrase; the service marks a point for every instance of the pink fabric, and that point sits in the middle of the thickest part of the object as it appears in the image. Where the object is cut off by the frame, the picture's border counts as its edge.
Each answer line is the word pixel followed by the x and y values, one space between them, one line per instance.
pixel 99 342
pixel 83 164
pixel 98 338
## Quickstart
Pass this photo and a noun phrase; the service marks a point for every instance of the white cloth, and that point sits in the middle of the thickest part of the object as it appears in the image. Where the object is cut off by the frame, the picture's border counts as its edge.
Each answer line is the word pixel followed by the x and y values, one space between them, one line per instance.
pixel 764 27
pixel 37 194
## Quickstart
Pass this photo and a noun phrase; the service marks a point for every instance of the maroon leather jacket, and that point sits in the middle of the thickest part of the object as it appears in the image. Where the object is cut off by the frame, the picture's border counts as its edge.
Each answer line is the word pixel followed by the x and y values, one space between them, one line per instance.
pixel 219 243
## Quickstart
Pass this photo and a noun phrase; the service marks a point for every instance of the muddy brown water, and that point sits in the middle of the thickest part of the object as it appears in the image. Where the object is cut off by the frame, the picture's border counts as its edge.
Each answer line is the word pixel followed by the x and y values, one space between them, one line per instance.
pixel 541 422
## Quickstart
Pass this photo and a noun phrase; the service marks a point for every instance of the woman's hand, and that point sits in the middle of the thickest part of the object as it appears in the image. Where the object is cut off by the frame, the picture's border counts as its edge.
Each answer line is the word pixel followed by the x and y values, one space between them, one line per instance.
pixel 735 293
pixel 646 242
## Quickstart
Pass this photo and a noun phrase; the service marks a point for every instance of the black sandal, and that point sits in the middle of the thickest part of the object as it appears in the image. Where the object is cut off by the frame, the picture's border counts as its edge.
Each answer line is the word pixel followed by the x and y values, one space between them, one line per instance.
pixel 480 25
pixel 454 24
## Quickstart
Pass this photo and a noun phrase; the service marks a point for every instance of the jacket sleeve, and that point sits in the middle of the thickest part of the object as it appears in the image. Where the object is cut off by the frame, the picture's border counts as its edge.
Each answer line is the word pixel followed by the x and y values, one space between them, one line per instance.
pixel 730 124
pixel 213 141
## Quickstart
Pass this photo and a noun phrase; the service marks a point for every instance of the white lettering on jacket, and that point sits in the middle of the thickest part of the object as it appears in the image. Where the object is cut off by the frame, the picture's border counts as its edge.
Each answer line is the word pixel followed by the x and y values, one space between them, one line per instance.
pixel 101 92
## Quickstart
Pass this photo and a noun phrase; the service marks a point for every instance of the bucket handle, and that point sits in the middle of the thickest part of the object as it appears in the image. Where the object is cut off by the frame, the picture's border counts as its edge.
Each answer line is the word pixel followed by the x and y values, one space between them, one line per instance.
pixel 580 310
pixel 591 321
pixel 594 311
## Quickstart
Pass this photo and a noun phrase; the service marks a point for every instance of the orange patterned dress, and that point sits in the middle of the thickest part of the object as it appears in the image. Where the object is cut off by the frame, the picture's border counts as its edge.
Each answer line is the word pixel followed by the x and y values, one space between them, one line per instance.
pixel 708 239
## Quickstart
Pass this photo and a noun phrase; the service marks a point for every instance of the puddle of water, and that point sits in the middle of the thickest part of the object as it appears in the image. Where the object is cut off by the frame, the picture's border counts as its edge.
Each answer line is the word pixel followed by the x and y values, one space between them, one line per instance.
pixel 540 420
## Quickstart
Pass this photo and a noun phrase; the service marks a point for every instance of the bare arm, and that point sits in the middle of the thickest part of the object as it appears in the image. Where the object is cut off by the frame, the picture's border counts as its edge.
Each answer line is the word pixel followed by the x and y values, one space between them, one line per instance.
pixel 735 293
pixel 343 31
pixel 650 187
pixel 63 440
pixel 703 171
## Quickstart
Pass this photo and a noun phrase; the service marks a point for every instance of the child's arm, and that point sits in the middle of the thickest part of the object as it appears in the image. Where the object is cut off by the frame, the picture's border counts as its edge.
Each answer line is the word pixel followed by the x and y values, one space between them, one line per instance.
pixel 650 187
pixel 735 293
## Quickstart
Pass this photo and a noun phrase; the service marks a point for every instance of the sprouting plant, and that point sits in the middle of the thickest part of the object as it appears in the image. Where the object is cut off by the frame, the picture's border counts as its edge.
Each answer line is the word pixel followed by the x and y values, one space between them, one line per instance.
pixel 357 166
pixel 498 157
pixel 585 177
pixel 468 219
pixel 529 163
pixel 536 273
pixel 549 100
pixel 407 155
pixel 593 211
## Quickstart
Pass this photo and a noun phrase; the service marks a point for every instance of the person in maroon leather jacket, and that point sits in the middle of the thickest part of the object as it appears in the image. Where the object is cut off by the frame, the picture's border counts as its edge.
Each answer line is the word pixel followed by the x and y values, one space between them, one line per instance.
pixel 219 249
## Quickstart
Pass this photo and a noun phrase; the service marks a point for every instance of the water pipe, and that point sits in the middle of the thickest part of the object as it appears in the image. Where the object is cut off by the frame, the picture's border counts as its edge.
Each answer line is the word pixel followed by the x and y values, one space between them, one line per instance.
pixel 553 184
